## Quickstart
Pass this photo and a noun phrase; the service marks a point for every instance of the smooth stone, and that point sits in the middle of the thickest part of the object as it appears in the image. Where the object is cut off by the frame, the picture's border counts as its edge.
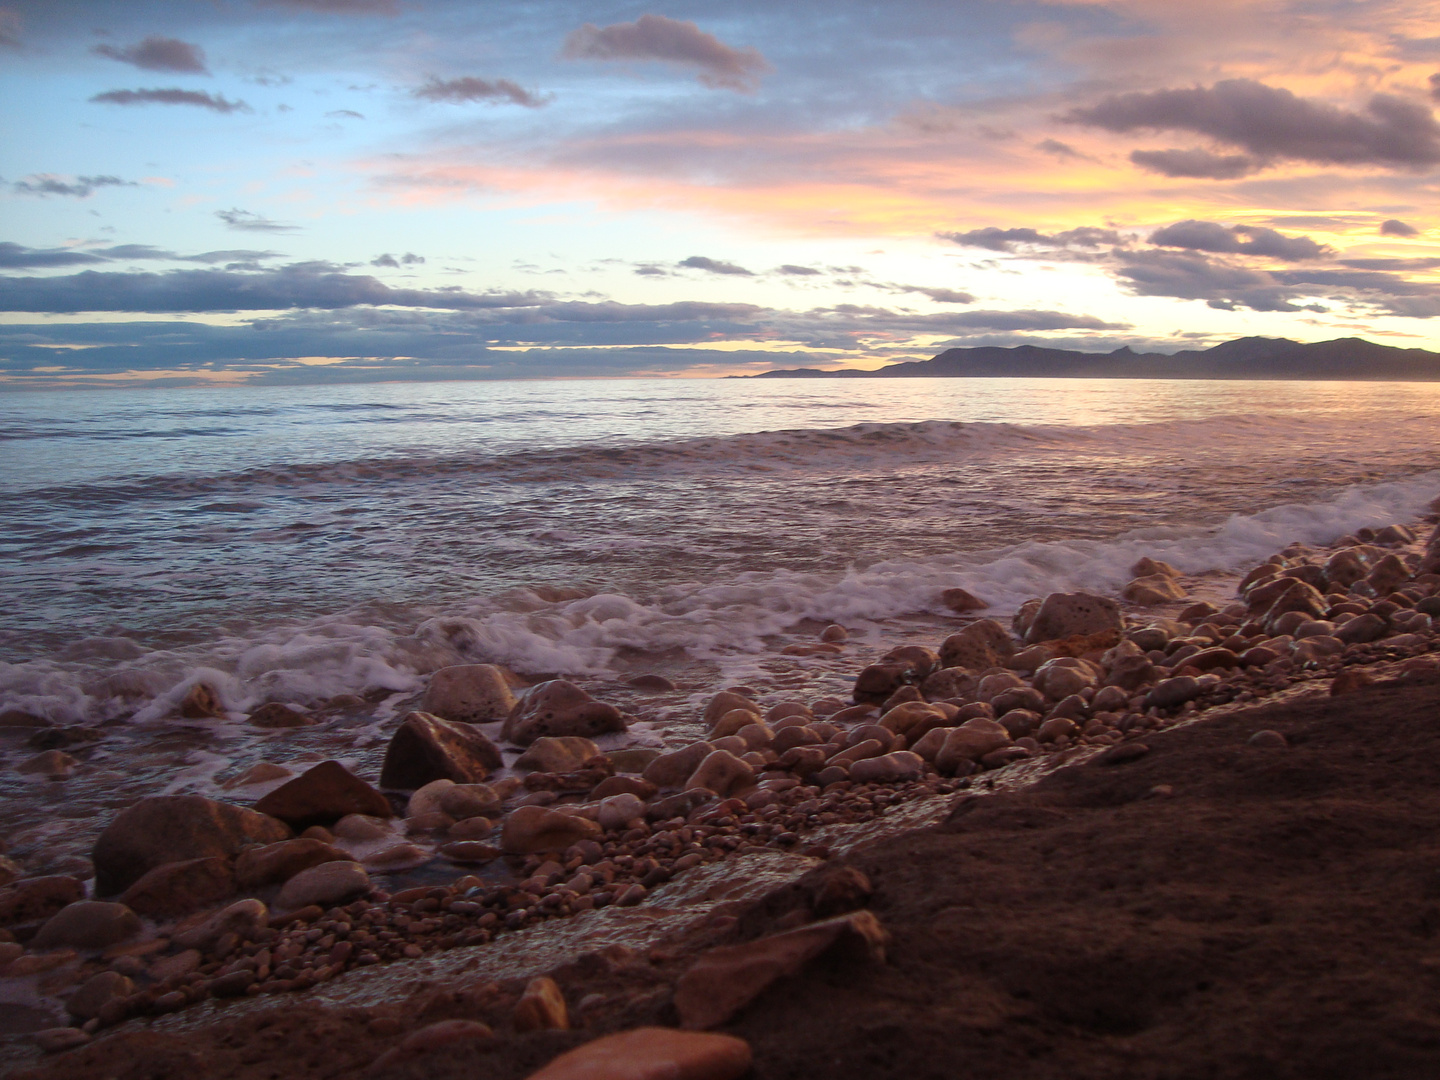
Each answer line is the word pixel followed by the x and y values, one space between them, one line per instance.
pixel 469 694
pixel 426 748
pixel 201 702
pixel 733 722
pixel 425 800
pixel 401 856
pixel 326 884
pixel 557 754
pixel 618 811
pixel 471 828
pixel 541 1008
pixel 559 707
pixel 723 773
pixel 783 709
pixel 358 827
pixel 1171 692
pixel 469 852
pixel 180 887
pixel 275 715
pixel 1270 739
pixel 96 992
pixel 893 768
pixel 1061 677
pixel 723 702
pixel 87 924
pixel 244 918
pixel 656 683
pixel 622 785
pixel 173 828
pixel 59 1039
pixel 1362 629
pixel 530 829
pixel 632 760
pixel 652 1053
pixel 962 600
pixel 834 634
pixel 272 864
pixel 1056 727
pixel 1063 615
pixel 321 795
pixel 55 764
pixel 1152 590
pixel 262 772
pixel 1146 566
pixel 673 769
pixel 970 741
pixel 902 719
pixel 463 801
pixel 930 743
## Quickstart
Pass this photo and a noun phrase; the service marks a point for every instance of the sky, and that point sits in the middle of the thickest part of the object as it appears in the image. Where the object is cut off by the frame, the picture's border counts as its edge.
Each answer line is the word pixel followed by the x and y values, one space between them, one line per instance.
pixel 336 191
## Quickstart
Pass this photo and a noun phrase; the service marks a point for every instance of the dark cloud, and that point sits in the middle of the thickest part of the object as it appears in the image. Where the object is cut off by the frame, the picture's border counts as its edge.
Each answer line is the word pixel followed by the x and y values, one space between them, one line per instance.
pixel 216 103
pixel 1396 227
pixel 232 255
pixel 1029 320
pixel 158 54
pixel 339 7
pixel 796 271
pixel 714 266
pixel 469 89
pixel 81 187
pixel 654 37
pixel 1391 264
pixel 19 257
pixel 1239 240
pixel 1197 164
pixel 1190 275
pixel 10 29
pixel 246 221
pixel 942 296
pixel 135 251
pixel 993 239
pixel 303 285
pixel 345 114
pixel 1273 123
pixel 1435 86
pixel 388 260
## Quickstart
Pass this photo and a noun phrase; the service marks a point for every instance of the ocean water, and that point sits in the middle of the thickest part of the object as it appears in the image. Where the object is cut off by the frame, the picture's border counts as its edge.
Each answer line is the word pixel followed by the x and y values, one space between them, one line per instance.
pixel 298 543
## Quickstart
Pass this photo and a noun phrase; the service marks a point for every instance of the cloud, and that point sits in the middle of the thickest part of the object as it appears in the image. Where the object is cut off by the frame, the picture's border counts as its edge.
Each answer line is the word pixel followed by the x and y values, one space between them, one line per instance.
pixel 339 7
pixel 942 296
pixel 1240 240
pixel 469 88
pixel 246 221
pixel 1273 123
pixel 714 266
pixel 1396 227
pixel 232 255
pixel 993 239
pixel 345 114
pixel 655 37
pixel 388 260
pixel 1196 164
pixel 796 271
pixel 81 187
pixel 216 103
pixel 303 285
pixel 1190 275
pixel 1435 86
pixel 1392 264
pixel 18 257
pixel 158 54
pixel 10 29
pixel 135 251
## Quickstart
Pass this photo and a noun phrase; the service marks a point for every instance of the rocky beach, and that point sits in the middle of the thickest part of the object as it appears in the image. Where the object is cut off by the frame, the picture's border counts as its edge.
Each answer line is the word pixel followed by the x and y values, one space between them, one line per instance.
pixel 1180 831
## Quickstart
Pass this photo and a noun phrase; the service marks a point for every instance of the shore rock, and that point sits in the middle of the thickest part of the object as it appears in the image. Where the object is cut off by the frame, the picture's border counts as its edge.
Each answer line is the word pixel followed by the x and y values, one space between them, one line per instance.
pixel 56 764
pixel 541 1008
pixel 723 773
pixel 275 863
pixel 465 801
pixel 323 795
pixel 177 888
pixel 275 715
pixel 983 644
pixel 426 748
pixel 1171 692
pixel 1063 615
pixel 326 884
pixel 893 768
pixel 88 924
pixel 243 918
pixel 962 600
pixel 32 899
pixel 559 707
pixel 564 753
pixel 97 991
pixel 653 1053
pixel 174 828
pixel 673 769
pixel 201 702
pixel 1362 628
pixel 971 741
pixel 530 829
pixel 1152 589
pixel 723 702
pixel 468 694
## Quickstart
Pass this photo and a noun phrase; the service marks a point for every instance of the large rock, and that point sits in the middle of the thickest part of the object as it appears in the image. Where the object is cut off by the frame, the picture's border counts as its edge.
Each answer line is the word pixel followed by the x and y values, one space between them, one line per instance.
pixel 88 924
pixel 723 702
pixel 653 1053
pixel 723 981
pixel 173 828
pixel 971 741
pixel 894 768
pixel 1063 676
pixel 179 887
pixel 274 863
pixel 981 645
pixel 1064 615
pixel 565 753
pixel 326 884
pixel 426 748
pixel 468 694
pixel 32 899
pixel 673 769
pixel 1297 596
pixel 723 773
pixel 1152 589
pixel 557 708
pixel 531 829
pixel 322 795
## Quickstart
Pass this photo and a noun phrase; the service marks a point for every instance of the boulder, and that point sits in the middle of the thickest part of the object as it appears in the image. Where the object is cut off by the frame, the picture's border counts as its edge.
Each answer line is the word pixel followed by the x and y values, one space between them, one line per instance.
pixel 531 829
pixel 275 715
pixel 327 884
pixel 983 644
pixel 1297 596
pixel 272 864
pixel 1063 615
pixel 564 753
pixel 617 811
pixel 173 828
pixel 87 924
pixel 673 769
pixel 426 748
pixel 1362 628
pixel 322 795
pixel 632 760
pixel 468 694
pixel 1388 574
pixel 1152 590
pixel 558 707
pixel 878 681
pixel 32 899
pixel 653 1053
pixel 177 888
pixel 723 773
pixel 733 722
pixel 971 741
pixel 201 702
pixel 1344 568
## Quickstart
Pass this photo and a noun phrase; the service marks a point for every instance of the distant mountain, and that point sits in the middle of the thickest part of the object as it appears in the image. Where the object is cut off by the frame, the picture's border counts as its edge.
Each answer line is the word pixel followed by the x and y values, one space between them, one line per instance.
pixel 1244 358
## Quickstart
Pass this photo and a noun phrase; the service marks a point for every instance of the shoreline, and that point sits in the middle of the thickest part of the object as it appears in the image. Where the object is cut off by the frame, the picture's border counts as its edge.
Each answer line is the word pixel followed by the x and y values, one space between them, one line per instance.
pixel 806 821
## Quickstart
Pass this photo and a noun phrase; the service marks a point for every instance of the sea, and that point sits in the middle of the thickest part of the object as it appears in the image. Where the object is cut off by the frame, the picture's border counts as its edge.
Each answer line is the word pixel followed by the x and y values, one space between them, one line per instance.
pixel 298 543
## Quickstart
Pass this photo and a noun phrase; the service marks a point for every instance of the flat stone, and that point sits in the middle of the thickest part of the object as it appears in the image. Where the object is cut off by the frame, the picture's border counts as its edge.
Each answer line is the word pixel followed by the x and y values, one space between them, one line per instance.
pixel 564 753
pixel 326 884
pixel 426 748
pixel 530 829
pixel 173 828
pixel 653 1053
pixel 177 888
pixel 1063 615
pixel 541 1008
pixel 88 924
pixel 321 796
pixel 273 864
pixel 468 694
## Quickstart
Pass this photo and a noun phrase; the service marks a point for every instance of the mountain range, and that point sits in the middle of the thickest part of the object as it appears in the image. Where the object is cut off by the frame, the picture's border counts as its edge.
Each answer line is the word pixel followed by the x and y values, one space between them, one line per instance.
pixel 1244 358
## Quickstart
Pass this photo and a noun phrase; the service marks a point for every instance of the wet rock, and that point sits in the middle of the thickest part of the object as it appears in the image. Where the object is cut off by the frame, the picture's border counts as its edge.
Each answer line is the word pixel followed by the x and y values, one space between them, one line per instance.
pixel 673 769
pixel 1172 692
pixel 201 702
pixel 1152 590
pixel 272 864
pixel 983 644
pixel 723 773
pixel 321 795
pixel 723 702
pixel 904 718
pixel 474 828
pixel 425 748
pixel 32 899
pixel 1362 628
pixel 560 754
pixel 732 722
pixel 893 768
pixel 465 801
pixel 541 1008
pixel 56 764
pixel 9 870
pixel 468 694
pixel 1063 676
pixel 351 827
pixel 1350 680
pixel 326 884
pixel 1388 574
pixel 1213 659
pixel 434 1036
pixel 1344 568
pixel 970 741
pixel 261 772
pixel 275 715
pixel 59 1039
pixel 244 919
pixel 681 804
pixel 177 888
pixel 834 634
pixel 173 828
pixel 531 829
pixel 556 708
pixel 929 744
pixel 1147 567
pixel 469 852
pixel 633 759
pixel 19 718
pixel 920 660
pixel 962 600
pixel 88 924
pixel 1064 615
pixel 1021 697
pixel 1057 727
pixel 653 1053
pixel 723 981
pixel 877 682
pixel 1299 597
pixel 96 992
pixel 1019 723
pixel 396 857
pixel 623 785
pixel 1268 739
pixel 948 682
pixel 617 811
